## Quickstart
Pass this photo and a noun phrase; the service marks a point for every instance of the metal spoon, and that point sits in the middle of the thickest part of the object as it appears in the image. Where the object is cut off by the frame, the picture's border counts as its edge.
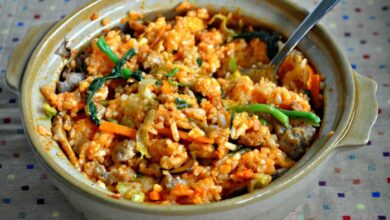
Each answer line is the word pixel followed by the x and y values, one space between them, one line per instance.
pixel 270 70
pixel 312 19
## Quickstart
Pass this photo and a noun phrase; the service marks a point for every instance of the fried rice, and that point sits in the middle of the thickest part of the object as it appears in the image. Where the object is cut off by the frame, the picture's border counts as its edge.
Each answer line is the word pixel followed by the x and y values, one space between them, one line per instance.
pixel 168 133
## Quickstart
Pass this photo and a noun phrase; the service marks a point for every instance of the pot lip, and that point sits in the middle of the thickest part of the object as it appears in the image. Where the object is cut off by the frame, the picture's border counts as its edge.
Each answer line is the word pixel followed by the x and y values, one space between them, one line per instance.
pixel 172 210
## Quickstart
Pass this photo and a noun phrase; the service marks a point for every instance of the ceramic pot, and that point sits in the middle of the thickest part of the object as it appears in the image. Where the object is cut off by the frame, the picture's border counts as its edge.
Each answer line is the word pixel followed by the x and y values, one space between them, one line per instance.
pixel 349 113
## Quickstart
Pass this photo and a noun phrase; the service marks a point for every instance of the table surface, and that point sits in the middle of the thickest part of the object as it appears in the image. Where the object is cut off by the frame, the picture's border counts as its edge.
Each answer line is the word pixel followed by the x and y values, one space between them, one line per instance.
pixel 355 185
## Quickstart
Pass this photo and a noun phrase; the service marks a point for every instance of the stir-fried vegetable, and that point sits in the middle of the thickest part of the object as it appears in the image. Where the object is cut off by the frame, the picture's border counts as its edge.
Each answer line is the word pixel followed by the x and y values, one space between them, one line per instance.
pixel 263 121
pixel 259 181
pixel 126 73
pixel 275 112
pixel 224 20
pixel 49 110
pixel 98 82
pixel 309 116
pixel 171 74
pixel 181 103
pixel 270 38
pixel 233 64
pixel 117 129
pixel 281 115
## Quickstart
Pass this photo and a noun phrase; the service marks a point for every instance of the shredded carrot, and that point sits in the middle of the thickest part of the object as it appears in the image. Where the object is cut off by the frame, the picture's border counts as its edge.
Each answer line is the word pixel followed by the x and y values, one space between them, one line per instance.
pixel 177 56
pixel 314 85
pixel 153 195
pixel 183 135
pixel 158 37
pixel 166 87
pixel 117 129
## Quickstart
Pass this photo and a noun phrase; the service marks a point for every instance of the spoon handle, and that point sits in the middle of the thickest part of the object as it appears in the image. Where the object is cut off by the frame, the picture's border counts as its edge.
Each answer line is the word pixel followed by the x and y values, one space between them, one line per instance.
pixel 312 19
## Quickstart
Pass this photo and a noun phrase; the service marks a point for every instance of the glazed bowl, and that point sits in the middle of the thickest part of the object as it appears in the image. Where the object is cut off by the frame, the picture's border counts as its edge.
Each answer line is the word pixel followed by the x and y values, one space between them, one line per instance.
pixel 349 113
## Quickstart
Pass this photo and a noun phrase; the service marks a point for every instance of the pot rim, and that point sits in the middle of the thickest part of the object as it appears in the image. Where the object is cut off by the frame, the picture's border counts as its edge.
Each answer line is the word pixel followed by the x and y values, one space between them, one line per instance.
pixel 276 187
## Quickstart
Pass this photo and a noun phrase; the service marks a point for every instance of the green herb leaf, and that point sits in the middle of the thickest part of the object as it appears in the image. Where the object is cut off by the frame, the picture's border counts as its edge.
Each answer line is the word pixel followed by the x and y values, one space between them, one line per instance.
pixel 199 61
pixel 158 83
pixel 99 82
pixel 181 103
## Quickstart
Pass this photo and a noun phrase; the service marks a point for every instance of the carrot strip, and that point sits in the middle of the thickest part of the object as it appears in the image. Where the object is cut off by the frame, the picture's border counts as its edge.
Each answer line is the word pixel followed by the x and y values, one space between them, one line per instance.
pixel 314 85
pixel 117 129
pixel 158 37
pixel 153 195
pixel 183 135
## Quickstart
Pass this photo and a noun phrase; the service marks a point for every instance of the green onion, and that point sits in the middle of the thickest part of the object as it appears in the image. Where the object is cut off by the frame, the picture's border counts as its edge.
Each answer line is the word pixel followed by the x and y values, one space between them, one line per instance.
pixel 281 115
pixel 99 82
pixel 49 110
pixel 105 48
pixel 309 116
pixel 263 121
pixel 233 64
pixel 259 181
pixel 181 103
pixel 137 75
pixel 276 113
pixel 171 74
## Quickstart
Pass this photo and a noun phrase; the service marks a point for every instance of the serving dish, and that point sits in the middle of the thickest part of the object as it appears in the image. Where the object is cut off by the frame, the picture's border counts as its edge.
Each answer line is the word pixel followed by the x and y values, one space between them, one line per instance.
pixel 350 110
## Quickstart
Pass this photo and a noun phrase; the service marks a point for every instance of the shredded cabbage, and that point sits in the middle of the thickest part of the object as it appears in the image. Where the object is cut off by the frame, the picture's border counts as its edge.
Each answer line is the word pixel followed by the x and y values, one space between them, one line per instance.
pixel 224 19
pixel 142 136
